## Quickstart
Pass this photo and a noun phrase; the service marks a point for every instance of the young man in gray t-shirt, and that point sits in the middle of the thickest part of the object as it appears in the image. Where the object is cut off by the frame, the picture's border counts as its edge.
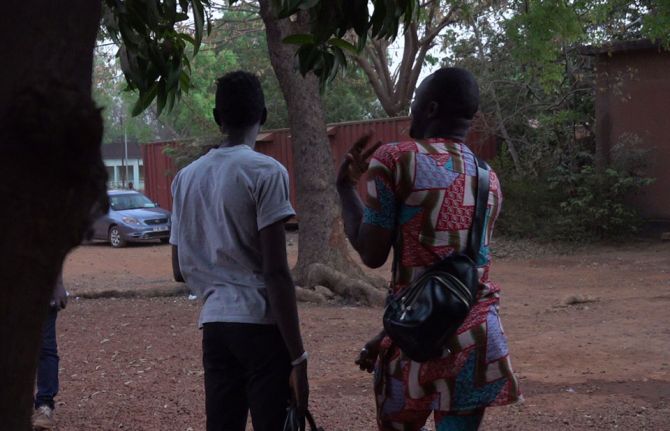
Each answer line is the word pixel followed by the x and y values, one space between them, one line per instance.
pixel 229 246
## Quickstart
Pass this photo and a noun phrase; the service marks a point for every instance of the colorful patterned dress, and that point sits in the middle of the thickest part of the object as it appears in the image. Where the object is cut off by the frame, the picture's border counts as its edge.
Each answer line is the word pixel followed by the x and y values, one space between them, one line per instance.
pixel 425 191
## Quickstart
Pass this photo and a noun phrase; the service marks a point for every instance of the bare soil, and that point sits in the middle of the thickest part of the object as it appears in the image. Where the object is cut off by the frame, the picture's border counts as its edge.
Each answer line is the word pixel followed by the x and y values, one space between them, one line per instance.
pixel 589 334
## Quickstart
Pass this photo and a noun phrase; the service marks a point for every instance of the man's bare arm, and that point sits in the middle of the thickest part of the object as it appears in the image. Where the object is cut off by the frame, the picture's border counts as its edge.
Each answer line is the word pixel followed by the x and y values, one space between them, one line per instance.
pixel 176 270
pixel 281 294
pixel 372 243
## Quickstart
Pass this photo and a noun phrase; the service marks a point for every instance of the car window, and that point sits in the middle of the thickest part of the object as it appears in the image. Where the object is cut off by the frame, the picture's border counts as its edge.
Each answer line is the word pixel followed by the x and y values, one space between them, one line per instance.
pixel 130 201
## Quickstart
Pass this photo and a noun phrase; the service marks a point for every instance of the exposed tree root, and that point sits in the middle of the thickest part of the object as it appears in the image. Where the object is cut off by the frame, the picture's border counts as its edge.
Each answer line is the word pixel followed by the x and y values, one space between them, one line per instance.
pixel 173 289
pixel 343 285
pixel 307 295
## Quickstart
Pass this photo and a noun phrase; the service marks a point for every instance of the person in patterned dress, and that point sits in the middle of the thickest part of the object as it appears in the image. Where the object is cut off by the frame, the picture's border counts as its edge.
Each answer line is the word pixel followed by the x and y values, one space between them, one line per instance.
pixel 420 199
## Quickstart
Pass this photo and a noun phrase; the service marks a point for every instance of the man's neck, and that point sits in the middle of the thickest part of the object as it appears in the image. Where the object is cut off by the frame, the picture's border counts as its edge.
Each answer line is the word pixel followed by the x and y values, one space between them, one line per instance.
pixel 242 137
pixel 454 128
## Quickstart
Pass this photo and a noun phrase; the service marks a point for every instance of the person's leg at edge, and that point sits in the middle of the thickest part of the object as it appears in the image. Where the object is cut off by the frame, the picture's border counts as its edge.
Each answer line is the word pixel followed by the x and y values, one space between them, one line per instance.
pixel 461 421
pixel 47 370
pixel 225 379
pixel 267 388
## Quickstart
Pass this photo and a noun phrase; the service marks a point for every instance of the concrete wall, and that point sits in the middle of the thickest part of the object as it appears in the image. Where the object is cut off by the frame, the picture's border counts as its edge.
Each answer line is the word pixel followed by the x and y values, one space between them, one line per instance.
pixel 633 97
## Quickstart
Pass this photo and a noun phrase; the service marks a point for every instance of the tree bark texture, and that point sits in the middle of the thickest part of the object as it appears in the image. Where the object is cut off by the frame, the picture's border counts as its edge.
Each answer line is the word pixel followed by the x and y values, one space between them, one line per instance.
pixel 322 238
pixel 52 175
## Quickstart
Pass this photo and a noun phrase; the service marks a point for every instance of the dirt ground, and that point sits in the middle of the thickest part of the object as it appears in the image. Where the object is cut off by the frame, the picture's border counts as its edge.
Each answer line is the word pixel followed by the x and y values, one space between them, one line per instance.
pixel 589 335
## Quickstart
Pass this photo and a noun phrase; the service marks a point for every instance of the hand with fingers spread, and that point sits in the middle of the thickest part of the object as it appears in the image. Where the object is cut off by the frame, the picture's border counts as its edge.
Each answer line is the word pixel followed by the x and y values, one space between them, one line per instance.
pixel 355 162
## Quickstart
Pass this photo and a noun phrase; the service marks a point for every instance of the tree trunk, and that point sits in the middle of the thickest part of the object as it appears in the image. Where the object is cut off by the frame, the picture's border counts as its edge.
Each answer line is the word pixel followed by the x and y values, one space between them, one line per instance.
pixel 52 174
pixel 322 238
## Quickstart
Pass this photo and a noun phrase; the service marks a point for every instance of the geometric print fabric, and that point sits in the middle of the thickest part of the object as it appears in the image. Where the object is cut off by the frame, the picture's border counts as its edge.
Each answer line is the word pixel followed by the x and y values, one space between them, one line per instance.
pixel 431 185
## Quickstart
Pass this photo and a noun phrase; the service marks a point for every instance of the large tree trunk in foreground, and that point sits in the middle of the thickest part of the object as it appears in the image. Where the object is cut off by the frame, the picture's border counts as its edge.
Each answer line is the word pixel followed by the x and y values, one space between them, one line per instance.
pixel 51 176
pixel 322 239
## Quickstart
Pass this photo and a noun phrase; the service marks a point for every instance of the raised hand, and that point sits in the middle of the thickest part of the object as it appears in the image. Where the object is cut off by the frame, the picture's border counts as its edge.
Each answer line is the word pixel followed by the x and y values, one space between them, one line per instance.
pixel 356 161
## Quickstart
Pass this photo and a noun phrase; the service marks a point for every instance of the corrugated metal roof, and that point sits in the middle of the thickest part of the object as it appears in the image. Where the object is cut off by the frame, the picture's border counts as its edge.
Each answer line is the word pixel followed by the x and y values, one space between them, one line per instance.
pixel 116 150
pixel 621 46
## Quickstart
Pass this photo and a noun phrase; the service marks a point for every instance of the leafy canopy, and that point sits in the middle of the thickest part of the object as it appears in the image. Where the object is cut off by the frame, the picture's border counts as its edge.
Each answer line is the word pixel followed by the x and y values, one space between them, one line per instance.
pixel 237 41
pixel 153 36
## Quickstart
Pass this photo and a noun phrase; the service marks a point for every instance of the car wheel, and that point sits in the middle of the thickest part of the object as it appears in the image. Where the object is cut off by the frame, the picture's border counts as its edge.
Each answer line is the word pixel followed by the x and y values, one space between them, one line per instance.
pixel 165 240
pixel 115 237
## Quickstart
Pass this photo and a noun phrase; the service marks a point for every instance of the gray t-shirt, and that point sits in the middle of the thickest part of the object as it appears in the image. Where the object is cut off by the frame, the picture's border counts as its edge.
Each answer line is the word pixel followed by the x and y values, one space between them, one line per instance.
pixel 220 203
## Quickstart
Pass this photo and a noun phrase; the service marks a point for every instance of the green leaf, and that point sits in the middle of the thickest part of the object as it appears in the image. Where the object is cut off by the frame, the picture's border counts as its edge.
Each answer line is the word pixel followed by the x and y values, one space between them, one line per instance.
pixel 184 81
pixel 173 77
pixel 308 56
pixel 343 45
pixel 188 38
pixel 377 18
pixel 145 99
pixel 340 58
pixel 307 4
pixel 360 19
pixel 299 39
pixel 171 10
pixel 161 97
pixel 199 21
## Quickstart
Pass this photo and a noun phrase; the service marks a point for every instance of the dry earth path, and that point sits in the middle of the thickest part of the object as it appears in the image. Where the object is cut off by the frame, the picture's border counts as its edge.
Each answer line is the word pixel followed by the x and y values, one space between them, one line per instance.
pixel 589 334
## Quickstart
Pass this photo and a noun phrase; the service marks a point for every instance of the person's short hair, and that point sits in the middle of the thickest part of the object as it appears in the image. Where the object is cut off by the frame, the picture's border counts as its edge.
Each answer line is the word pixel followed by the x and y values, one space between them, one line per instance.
pixel 239 99
pixel 456 91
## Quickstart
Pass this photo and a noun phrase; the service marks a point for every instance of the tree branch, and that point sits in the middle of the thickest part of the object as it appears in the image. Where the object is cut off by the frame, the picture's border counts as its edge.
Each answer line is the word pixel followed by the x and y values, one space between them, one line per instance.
pixel 432 33
pixel 382 94
pixel 407 67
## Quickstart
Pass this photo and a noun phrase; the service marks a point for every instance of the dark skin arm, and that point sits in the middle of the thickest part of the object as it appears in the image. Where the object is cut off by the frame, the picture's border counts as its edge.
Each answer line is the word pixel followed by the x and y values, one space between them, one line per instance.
pixel 281 294
pixel 176 271
pixel 372 243
pixel 59 299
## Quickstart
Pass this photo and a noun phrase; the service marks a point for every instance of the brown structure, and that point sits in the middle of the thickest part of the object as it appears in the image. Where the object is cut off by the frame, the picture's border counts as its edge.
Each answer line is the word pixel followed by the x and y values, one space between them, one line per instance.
pixel 632 99
pixel 159 167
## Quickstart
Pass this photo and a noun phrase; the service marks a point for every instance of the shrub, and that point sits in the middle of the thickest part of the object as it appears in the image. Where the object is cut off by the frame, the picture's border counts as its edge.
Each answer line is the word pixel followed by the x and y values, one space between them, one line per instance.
pixel 597 202
pixel 575 201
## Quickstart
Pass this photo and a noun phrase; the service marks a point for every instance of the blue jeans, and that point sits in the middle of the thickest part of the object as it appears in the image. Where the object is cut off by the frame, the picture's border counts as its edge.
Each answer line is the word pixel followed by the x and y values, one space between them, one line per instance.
pixel 47 369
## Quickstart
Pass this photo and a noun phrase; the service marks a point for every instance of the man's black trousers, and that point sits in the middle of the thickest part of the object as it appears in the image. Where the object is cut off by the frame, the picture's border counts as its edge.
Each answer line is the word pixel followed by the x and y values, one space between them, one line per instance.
pixel 247 368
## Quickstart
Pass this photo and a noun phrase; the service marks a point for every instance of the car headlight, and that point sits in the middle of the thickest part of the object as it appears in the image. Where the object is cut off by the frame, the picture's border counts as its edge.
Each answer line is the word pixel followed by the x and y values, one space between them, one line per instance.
pixel 130 220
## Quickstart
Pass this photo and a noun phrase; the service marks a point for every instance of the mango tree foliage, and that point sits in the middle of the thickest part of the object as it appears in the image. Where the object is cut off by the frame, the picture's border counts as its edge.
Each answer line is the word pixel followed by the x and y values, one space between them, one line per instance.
pixel 152 36
pixel 237 41
pixel 322 50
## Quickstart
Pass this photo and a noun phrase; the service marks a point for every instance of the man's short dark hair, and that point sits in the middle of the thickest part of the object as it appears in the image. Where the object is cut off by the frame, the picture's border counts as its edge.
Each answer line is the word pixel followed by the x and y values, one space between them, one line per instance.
pixel 239 99
pixel 456 92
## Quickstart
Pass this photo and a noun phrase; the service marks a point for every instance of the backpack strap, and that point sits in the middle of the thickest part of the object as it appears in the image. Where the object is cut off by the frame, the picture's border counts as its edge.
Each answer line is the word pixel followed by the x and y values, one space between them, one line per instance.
pixel 476 231
pixel 481 203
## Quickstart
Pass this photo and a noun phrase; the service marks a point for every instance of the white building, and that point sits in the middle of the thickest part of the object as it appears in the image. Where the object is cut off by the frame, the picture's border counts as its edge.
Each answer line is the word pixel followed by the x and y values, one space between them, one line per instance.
pixel 124 165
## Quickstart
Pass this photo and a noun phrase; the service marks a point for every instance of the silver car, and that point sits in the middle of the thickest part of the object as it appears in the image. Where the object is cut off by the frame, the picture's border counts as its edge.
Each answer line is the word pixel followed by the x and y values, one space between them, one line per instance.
pixel 132 217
